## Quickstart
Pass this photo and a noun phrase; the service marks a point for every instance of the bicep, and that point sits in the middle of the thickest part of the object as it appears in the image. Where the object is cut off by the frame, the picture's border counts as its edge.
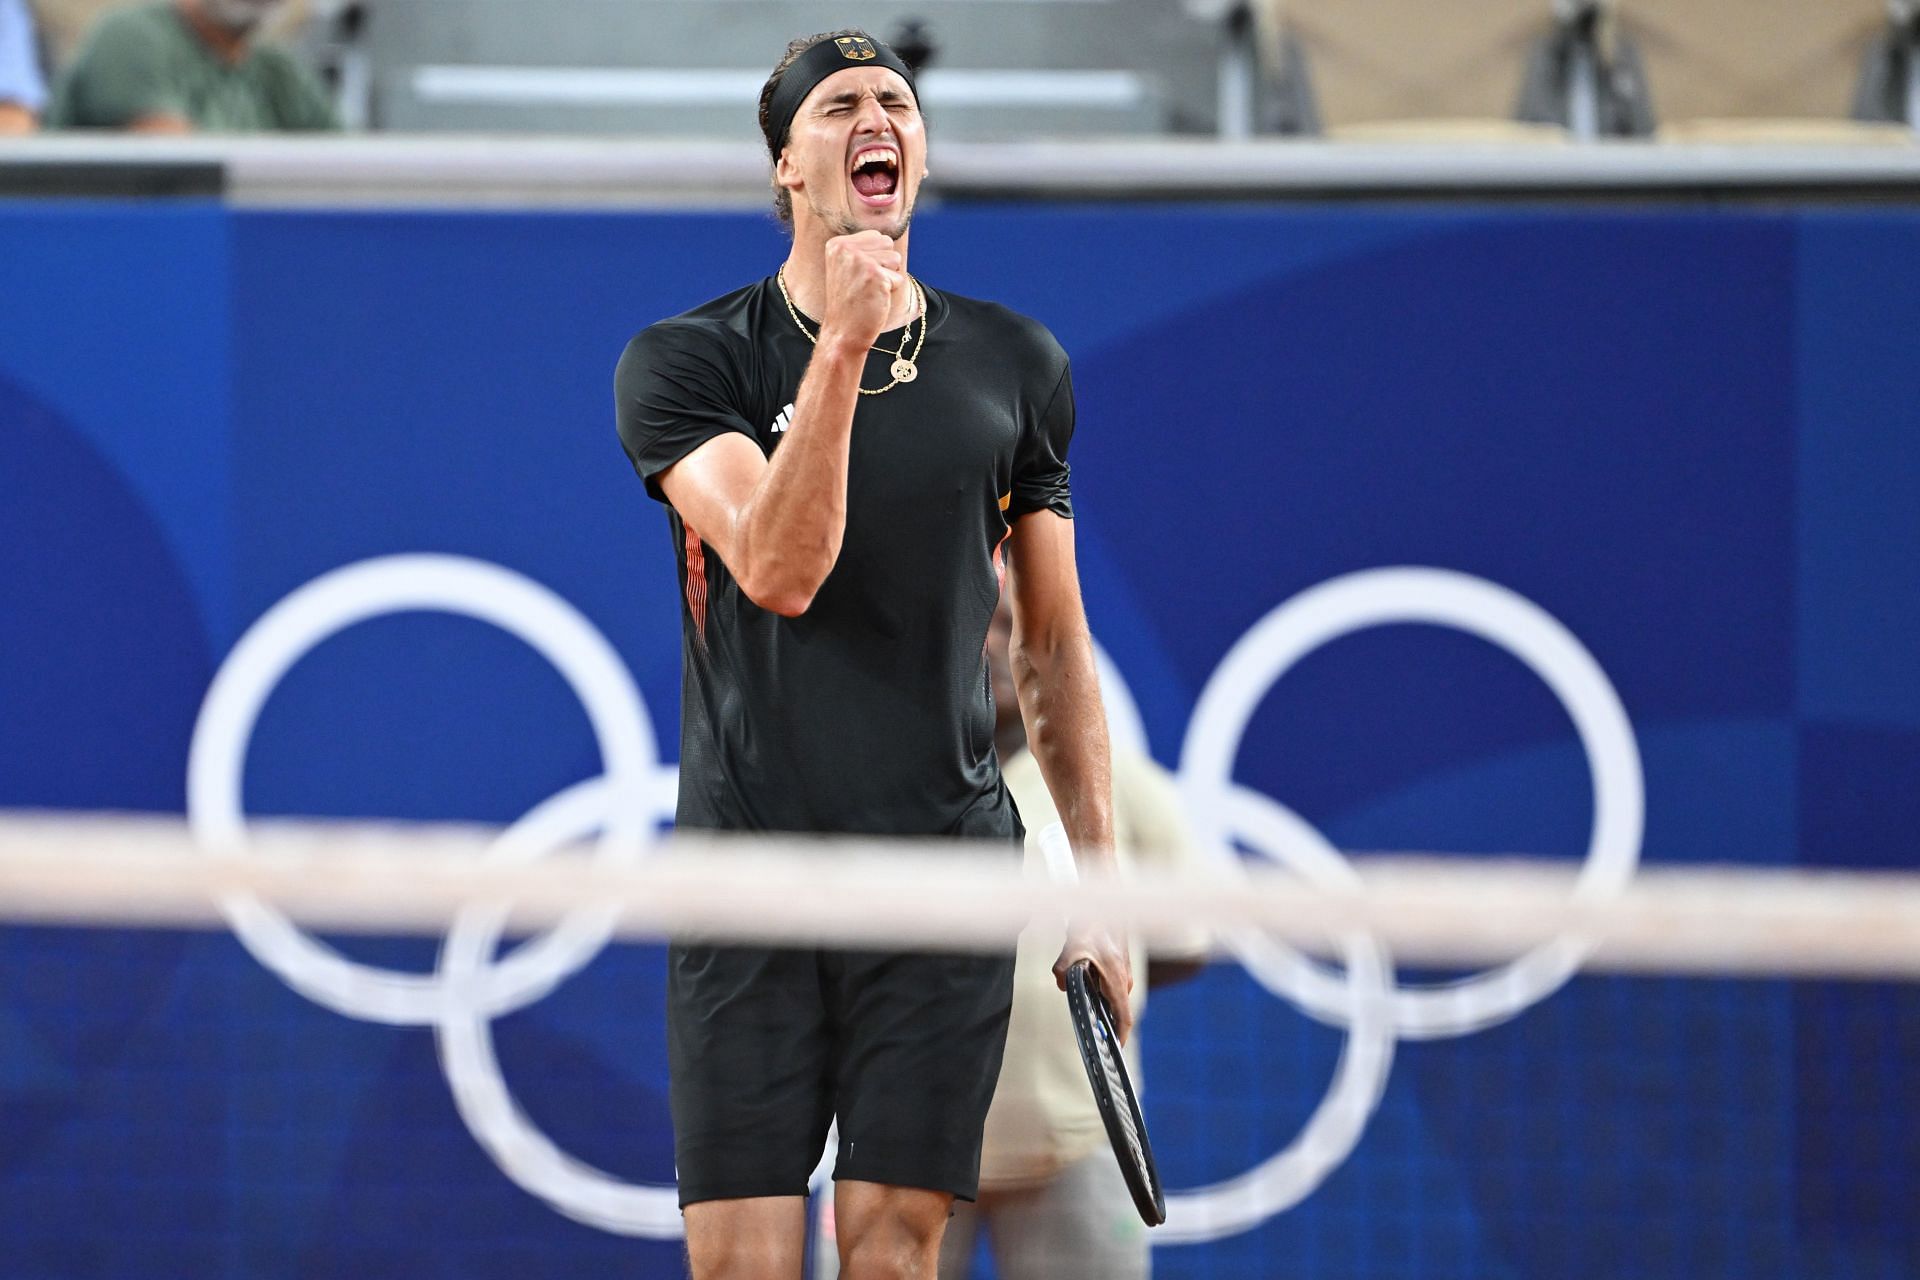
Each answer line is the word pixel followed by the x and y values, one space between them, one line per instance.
pixel 1044 576
pixel 711 485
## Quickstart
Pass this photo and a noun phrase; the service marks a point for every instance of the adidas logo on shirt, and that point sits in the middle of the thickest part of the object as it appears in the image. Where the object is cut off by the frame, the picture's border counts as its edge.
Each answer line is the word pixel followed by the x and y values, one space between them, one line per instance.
pixel 784 421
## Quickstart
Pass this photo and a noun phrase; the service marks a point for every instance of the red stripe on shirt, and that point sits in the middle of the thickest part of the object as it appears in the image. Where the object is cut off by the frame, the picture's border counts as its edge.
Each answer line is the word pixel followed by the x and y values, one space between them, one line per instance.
pixel 696 581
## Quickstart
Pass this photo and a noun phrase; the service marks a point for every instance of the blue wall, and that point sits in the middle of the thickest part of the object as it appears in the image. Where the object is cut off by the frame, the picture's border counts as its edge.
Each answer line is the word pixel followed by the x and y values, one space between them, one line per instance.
pixel 1691 438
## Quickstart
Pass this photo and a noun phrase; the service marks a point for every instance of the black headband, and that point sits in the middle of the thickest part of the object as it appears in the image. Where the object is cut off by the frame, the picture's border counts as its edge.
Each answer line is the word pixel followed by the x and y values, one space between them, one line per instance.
pixel 815 65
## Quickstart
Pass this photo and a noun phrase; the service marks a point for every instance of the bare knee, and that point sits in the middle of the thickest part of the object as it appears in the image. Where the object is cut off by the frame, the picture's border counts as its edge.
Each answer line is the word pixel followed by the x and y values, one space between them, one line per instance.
pixel 889 1233
pixel 756 1239
pixel 892 1249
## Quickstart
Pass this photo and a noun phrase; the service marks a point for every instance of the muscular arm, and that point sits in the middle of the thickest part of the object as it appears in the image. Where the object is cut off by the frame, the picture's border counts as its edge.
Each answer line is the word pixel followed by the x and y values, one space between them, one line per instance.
pixel 777 524
pixel 1051 655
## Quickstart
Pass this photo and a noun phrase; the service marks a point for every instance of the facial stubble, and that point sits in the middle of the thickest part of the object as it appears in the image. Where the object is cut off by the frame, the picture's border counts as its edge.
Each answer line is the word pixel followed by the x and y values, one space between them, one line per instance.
pixel 842 223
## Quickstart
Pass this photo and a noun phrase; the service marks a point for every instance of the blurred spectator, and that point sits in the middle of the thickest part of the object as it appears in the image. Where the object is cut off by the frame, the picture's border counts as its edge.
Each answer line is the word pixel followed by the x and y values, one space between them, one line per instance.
pixel 176 66
pixel 23 90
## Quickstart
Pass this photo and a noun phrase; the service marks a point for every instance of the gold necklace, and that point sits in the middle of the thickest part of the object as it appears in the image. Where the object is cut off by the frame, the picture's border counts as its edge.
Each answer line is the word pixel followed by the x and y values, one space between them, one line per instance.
pixel 905 367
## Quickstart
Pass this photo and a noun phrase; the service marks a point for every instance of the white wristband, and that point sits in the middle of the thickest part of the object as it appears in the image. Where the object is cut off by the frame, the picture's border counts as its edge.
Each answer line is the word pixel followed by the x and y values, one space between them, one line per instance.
pixel 1058 852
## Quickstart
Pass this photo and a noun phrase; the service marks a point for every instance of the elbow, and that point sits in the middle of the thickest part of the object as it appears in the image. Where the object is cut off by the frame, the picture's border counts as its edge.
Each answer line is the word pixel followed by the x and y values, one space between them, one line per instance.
pixel 785 584
pixel 782 594
pixel 788 604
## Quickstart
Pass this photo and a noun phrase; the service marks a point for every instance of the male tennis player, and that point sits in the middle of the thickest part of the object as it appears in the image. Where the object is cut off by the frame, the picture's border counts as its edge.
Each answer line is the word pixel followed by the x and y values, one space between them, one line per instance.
pixel 844 453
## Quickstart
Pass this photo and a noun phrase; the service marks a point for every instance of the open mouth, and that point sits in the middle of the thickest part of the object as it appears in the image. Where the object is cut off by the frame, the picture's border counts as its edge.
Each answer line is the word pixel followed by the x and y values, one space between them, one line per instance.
pixel 876 174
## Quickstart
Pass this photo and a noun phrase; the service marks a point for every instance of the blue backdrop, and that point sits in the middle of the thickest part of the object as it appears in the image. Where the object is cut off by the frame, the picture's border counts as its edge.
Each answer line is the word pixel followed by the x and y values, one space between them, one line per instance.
pixel 1691 438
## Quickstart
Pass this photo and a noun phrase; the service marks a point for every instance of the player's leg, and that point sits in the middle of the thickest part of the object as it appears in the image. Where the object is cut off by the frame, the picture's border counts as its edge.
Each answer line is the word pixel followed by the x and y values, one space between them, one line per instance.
pixel 1080 1225
pixel 888 1232
pixel 956 1246
pixel 916 1061
pixel 756 1238
pixel 750 1087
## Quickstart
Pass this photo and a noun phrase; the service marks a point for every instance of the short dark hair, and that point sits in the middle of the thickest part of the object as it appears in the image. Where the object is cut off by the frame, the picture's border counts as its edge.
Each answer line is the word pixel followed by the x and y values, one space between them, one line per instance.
pixel 783 198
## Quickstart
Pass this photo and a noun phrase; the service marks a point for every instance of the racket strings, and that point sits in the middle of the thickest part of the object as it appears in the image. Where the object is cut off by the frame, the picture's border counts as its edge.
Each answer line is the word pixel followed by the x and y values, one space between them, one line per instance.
pixel 1121 1099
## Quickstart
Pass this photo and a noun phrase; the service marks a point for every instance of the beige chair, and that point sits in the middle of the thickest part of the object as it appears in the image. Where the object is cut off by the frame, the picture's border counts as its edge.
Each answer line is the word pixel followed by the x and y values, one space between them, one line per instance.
pixel 1787 133
pixel 1469 132
pixel 1412 69
pixel 1715 62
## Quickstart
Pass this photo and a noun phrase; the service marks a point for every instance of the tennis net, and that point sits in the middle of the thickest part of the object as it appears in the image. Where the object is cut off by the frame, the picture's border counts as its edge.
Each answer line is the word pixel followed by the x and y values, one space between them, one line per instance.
pixel 1703 1062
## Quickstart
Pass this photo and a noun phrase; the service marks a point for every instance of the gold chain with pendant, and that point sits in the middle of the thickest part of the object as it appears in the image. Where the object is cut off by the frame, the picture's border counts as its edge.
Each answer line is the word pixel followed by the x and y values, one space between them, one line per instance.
pixel 905 367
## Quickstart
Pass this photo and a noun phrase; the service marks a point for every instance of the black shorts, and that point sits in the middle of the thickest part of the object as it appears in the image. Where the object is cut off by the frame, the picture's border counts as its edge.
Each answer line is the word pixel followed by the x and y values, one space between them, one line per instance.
pixel 766 1046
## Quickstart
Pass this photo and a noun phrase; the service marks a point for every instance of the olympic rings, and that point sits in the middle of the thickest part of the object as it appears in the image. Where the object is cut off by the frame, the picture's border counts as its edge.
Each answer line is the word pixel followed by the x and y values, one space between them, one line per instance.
pixel 469 989
pixel 1378 597
pixel 1331 1133
pixel 216 764
pixel 480 1093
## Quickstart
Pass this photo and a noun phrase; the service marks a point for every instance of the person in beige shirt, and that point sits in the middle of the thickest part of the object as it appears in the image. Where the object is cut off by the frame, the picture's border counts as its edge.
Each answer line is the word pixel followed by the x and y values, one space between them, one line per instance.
pixel 1052 1201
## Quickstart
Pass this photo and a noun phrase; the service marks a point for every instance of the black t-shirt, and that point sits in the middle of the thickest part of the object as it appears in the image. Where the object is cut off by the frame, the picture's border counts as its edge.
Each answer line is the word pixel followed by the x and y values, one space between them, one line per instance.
pixel 872 711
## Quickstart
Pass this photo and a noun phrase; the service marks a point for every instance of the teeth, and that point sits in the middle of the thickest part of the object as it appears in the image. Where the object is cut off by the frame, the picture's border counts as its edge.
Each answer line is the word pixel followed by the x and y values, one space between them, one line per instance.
pixel 885 154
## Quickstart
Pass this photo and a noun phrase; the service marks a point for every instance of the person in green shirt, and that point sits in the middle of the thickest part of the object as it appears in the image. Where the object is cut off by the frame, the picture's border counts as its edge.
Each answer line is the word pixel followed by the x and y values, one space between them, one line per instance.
pixel 181 66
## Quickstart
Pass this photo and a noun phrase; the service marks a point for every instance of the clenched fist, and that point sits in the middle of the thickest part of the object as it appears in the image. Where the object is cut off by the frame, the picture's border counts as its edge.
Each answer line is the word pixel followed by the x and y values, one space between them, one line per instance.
pixel 865 277
pixel 1112 966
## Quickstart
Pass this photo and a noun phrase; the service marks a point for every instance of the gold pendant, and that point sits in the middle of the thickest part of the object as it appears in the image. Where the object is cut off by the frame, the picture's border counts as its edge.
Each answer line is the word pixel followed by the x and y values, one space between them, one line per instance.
pixel 905 370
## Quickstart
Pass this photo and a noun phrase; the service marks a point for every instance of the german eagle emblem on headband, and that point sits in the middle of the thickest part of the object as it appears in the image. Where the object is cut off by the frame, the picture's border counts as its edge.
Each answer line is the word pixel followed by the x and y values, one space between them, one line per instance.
pixel 856 48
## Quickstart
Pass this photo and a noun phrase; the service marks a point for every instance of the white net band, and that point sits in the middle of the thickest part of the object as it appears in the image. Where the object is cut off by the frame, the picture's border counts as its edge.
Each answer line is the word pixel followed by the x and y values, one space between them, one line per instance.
pixel 1425 910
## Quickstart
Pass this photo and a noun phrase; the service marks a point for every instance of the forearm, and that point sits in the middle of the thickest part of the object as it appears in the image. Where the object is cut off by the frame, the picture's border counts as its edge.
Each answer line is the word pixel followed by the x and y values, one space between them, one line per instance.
pixel 1067 733
pixel 788 532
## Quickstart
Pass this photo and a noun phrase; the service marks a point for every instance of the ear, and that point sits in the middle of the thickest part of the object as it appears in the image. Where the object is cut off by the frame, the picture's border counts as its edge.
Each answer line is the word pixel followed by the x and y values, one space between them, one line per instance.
pixel 786 173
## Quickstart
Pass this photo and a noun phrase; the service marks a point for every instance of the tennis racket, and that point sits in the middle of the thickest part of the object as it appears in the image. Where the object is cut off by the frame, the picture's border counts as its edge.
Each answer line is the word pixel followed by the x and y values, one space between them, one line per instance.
pixel 1106 1069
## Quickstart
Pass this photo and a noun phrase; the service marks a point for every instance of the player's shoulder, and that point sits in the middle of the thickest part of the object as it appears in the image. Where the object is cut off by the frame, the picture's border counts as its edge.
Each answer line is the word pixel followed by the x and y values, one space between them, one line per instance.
pixel 713 332
pixel 1019 334
pixel 727 318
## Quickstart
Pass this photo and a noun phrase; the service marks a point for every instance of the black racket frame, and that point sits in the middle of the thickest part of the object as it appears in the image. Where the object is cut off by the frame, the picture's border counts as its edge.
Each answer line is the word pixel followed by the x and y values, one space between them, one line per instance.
pixel 1093 1023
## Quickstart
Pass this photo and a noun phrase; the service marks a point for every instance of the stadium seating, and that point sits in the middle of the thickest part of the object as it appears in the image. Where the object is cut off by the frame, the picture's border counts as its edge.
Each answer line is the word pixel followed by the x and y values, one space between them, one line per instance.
pixel 693 67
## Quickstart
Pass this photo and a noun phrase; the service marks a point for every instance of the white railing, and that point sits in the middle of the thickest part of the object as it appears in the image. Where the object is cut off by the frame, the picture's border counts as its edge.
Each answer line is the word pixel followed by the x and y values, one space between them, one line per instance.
pixel 547 171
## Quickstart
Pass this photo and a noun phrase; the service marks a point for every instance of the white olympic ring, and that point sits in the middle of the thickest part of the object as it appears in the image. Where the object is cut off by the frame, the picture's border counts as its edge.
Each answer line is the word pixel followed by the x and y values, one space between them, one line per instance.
pixel 480 1092
pixel 216 765
pixel 1378 597
pixel 468 988
pixel 1331 1133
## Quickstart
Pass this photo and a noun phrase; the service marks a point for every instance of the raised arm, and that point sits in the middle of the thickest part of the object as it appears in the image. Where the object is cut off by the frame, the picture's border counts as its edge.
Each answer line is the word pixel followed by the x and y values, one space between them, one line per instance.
pixel 1051 655
pixel 777 523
